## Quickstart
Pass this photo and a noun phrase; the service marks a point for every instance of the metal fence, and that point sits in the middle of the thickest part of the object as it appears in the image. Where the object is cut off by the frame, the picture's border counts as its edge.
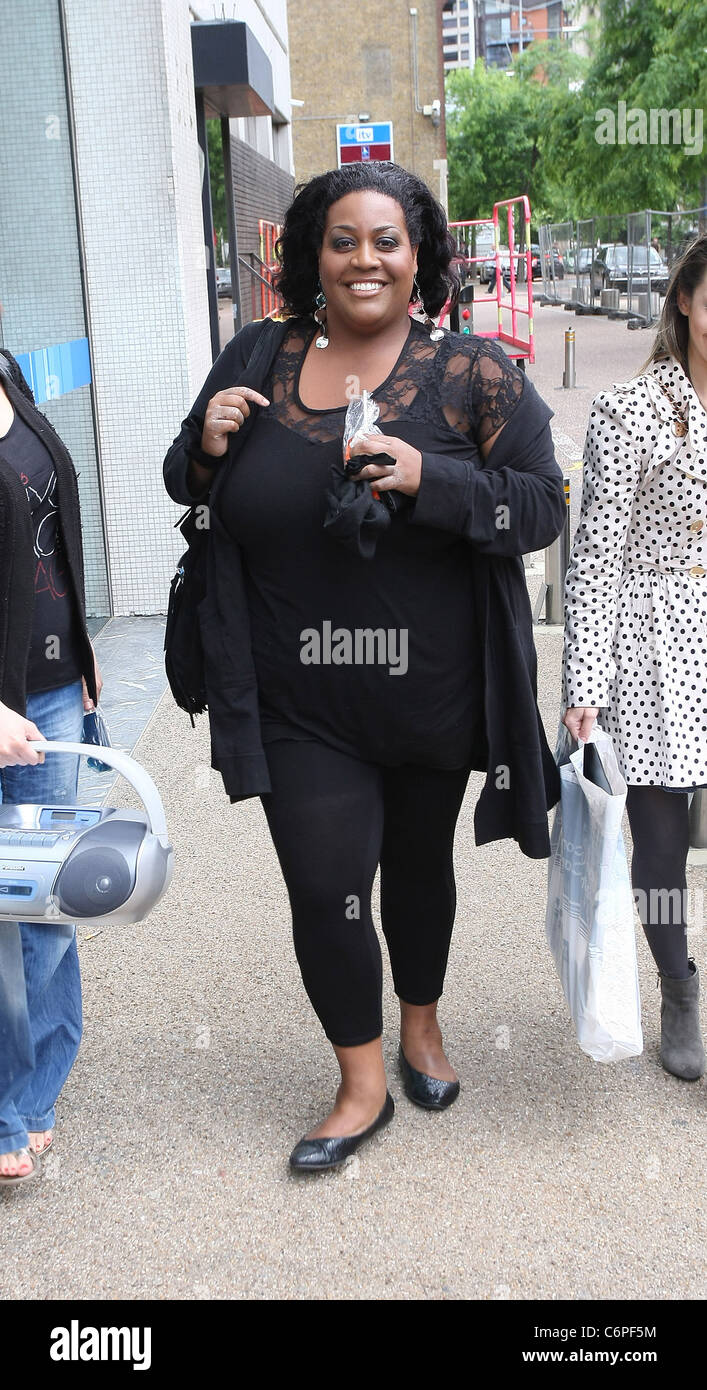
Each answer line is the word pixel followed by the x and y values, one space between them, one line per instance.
pixel 618 264
pixel 555 241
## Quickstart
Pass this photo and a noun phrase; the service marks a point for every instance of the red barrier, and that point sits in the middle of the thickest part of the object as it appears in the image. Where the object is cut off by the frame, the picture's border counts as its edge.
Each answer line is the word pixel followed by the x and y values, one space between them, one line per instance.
pixel 268 233
pixel 522 347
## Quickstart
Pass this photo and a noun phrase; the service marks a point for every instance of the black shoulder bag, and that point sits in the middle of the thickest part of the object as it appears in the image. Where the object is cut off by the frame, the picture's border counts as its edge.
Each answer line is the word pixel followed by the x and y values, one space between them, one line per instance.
pixel 183 653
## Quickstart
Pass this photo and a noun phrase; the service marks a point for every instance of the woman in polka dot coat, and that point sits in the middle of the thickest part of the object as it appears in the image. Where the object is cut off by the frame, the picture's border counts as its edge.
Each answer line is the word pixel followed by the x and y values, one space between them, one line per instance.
pixel 636 624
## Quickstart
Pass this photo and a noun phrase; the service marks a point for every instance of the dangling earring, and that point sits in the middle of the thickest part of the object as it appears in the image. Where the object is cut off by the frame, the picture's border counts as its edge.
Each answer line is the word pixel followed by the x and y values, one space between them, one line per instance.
pixel 319 306
pixel 435 333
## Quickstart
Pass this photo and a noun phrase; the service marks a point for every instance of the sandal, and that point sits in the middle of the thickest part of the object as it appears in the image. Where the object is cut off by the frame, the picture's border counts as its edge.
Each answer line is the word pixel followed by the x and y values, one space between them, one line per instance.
pixel 39 1153
pixel 13 1179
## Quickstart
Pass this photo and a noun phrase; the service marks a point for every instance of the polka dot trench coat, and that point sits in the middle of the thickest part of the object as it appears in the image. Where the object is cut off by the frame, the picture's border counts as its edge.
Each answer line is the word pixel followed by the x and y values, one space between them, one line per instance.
pixel 636 590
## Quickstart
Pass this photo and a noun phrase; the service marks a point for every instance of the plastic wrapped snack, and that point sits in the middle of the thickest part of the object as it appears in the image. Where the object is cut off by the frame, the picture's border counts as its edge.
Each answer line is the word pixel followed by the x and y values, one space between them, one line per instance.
pixel 361 416
pixel 357 513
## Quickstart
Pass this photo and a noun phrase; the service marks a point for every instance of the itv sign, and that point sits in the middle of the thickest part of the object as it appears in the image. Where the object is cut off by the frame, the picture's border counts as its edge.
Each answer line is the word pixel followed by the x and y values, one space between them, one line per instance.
pixel 363 142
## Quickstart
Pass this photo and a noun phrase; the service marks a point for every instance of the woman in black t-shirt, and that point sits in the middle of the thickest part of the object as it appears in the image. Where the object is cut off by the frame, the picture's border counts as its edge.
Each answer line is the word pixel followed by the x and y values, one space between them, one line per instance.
pixel 366 615
pixel 48 678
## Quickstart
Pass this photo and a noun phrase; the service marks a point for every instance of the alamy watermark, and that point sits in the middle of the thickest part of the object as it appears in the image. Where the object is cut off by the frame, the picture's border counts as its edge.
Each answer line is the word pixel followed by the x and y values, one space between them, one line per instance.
pixel 633 125
pixel 359 646
pixel 660 907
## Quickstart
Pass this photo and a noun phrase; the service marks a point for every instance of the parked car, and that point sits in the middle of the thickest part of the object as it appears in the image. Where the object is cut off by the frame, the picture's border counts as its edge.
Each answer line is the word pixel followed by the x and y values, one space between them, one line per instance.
pixel 487 267
pixel 223 279
pixel 578 263
pixel 611 266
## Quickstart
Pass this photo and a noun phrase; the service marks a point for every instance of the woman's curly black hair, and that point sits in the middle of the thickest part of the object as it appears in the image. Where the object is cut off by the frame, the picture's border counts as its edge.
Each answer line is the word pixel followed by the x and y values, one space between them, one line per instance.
pixel 303 231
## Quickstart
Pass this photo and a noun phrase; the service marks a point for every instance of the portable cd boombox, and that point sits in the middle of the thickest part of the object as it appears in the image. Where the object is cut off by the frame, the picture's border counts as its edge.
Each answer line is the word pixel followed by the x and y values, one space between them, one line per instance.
pixel 85 864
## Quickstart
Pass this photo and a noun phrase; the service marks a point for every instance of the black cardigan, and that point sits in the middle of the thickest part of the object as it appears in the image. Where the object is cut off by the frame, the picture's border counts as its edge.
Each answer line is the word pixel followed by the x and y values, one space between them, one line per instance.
pixel 17 554
pixel 520 473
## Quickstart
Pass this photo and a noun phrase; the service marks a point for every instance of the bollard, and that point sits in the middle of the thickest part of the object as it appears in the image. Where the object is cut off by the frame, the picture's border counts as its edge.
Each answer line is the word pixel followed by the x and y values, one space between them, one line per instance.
pixel 569 378
pixel 557 558
pixel 698 829
pixel 698 821
pixel 647 306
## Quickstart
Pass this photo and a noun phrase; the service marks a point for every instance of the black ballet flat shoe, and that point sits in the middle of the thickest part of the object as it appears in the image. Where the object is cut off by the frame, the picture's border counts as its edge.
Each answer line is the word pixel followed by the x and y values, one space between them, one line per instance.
pixel 315 1155
pixel 424 1090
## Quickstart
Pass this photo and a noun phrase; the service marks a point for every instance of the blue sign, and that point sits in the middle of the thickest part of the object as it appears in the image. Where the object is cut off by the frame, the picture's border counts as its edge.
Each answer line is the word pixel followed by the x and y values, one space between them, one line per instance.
pixel 54 371
pixel 357 142
pixel 381 134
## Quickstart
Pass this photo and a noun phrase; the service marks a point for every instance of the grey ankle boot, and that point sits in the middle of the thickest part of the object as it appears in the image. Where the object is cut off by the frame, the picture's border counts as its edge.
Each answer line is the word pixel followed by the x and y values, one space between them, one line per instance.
pixel 681 1048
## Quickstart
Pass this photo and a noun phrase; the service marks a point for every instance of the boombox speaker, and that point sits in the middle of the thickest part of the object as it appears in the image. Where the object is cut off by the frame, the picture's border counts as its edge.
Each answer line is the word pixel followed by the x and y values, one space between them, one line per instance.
pixel 82 863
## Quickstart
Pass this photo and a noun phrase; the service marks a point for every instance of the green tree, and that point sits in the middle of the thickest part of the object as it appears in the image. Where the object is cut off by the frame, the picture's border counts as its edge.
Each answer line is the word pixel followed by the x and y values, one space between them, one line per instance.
pixel 498 131
pixel 218 187
pixel 535 131
pixel 489 146
pixel 650 56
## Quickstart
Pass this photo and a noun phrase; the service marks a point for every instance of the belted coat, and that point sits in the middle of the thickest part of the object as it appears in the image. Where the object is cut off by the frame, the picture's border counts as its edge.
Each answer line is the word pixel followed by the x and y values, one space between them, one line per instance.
pixel 636 591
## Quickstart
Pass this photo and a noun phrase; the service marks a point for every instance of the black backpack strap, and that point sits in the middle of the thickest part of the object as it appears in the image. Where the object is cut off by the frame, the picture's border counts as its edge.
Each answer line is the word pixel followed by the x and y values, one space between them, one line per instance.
pixel 255 375
pixel 263 355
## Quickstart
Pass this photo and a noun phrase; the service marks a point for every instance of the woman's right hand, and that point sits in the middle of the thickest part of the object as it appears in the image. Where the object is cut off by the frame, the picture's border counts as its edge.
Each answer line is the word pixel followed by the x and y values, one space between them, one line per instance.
pixel 15 731
pixel 579 719
pixel 225 414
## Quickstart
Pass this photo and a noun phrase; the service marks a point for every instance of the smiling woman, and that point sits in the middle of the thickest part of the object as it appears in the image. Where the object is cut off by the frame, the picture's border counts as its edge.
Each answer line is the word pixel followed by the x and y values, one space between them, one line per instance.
pixel 361 762
pixel 311 227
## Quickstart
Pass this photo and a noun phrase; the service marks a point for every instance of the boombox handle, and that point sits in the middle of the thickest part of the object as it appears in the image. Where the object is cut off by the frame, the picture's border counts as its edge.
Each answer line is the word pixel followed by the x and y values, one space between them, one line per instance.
pixel 132 771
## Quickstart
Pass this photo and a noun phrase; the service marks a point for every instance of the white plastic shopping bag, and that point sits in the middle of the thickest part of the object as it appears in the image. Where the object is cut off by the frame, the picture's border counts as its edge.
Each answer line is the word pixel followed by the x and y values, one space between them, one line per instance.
pixel 590 924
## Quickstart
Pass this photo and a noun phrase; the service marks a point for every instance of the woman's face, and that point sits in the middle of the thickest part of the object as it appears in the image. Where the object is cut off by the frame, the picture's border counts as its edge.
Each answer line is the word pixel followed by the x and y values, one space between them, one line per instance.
pixel 694 307
pixel 366 262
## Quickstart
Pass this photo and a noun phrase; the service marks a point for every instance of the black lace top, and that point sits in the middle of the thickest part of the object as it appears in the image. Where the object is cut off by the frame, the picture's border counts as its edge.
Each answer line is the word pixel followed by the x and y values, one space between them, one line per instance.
pixel 463 385
pixel 377 657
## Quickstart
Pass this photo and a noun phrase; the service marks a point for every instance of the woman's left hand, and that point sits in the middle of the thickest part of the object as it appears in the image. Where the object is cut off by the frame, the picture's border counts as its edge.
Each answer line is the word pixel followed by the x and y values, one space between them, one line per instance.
pixel 404 475
pixel 87 701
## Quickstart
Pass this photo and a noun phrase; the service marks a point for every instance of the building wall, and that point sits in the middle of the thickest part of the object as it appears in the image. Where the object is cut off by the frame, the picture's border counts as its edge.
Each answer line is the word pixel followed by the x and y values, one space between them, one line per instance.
pixel 458 37
pixel 270 136
pixel 138 289
pixel 350 59
pixel 139 180
pixel 499 31
pixel 261 146
pixel 261 190
pixel 40 268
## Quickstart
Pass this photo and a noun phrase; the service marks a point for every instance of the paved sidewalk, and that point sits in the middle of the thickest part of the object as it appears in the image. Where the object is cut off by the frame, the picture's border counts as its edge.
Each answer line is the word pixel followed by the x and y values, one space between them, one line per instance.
pixel 552 1177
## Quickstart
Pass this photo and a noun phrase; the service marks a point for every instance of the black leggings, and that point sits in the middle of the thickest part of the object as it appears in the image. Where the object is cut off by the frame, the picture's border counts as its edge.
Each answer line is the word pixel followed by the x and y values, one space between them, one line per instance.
pixel 332 820
pixel 660 828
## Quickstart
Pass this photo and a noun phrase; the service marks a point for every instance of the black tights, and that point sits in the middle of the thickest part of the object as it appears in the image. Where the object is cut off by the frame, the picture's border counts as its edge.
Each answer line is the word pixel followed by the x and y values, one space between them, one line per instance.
pixel 659 823
pixel 332 820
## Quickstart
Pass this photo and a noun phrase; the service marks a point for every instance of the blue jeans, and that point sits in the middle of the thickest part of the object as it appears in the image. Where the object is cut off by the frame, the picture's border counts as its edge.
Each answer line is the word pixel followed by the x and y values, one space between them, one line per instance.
pixel 40 985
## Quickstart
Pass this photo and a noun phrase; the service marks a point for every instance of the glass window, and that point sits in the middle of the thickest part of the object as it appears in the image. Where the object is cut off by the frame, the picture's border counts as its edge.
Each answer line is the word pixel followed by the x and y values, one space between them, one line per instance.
pixel 40 267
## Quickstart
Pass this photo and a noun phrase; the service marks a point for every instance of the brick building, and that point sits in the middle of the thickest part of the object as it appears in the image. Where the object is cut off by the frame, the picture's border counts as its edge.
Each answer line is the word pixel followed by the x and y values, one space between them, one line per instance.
pixel 505 28
pixel 364 64
pixel 458 34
